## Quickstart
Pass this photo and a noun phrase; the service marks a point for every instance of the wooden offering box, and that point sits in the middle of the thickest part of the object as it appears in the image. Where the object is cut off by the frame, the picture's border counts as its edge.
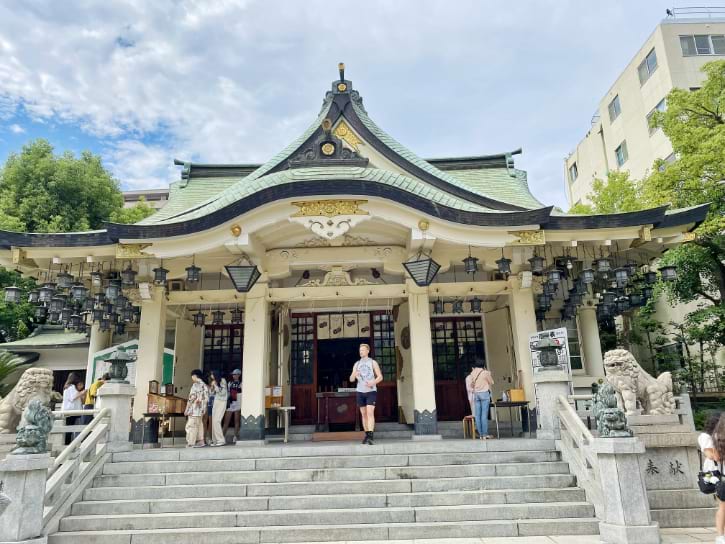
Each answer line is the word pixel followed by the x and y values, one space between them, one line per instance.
pixel 165 404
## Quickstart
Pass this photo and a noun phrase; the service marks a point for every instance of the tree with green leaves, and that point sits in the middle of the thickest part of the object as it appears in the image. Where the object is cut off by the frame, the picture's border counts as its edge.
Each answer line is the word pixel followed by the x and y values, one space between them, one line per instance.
pixel 16 320
pixel 617 194
pixel 9 365
pixel 134 214
pixel 44 192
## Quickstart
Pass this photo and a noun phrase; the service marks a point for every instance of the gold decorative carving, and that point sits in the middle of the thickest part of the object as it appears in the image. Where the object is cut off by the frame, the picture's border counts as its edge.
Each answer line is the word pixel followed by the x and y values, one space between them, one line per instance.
pixel 341 87
pixel 337 277
pixel 645 234
pixel 329 208
pixel 345 133
pixel 529 237
pixel 423 225
pixel 132 251
pixel 689 236
pixel 236 230
pixel 328 149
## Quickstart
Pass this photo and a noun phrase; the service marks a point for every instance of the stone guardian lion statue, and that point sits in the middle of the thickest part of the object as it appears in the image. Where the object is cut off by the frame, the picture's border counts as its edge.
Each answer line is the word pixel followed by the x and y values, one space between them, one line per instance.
pixel 35 383
pixel 632 383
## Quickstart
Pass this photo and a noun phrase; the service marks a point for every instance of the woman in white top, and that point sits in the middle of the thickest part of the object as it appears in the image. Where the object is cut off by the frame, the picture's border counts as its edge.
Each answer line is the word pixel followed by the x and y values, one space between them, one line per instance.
pixel 73 393
pixel 704 442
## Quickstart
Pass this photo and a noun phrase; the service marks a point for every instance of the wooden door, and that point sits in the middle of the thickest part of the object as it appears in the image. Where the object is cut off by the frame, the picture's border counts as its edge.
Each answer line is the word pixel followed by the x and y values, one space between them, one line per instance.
pixel 302 369
pixel 382 343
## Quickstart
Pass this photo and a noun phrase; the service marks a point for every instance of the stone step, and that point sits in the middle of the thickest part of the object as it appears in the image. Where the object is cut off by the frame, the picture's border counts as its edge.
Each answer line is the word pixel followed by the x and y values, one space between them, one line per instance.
pixel 241 451
pixel 685 517
pixel 334 533
pixel 319 502
pixel 333 474
pixel 437 514
pixel 354 461
pixel 210 489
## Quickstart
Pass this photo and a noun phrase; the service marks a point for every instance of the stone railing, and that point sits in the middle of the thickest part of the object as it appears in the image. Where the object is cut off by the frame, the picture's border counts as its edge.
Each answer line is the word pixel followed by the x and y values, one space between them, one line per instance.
pixel 74 465
pixel 608 470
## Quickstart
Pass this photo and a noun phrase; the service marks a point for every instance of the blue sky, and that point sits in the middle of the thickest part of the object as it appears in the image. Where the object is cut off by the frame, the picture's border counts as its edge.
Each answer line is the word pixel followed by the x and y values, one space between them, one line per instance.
pixel 142 82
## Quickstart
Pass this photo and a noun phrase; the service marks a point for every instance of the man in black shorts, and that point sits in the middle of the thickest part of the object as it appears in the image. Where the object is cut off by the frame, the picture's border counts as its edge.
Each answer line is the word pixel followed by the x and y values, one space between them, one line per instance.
pixel 368 375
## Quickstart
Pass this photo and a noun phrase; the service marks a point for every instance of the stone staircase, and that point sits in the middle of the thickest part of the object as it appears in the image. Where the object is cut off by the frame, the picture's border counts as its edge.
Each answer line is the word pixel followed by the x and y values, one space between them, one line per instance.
pixel 331 492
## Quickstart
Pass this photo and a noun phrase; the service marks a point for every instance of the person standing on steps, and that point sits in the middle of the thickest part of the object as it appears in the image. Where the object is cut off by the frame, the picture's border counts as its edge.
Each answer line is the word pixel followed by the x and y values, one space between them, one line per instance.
pixel 234 404
pixel 479 383
pixel 196 407
pixel 366 372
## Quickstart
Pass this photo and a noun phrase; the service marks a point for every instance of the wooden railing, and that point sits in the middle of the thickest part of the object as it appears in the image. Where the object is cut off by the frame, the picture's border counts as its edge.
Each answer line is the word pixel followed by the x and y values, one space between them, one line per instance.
pixel 575 446
pixel 76 463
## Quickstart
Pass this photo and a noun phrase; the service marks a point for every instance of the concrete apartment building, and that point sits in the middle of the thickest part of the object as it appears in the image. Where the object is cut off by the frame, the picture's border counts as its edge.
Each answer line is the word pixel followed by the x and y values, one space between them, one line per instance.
pixel 620 137
pixel 156 198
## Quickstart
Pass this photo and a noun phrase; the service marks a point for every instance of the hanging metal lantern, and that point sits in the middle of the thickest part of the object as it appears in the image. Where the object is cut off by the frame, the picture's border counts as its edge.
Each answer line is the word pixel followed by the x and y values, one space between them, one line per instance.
pixel 669 273
pixel 41 312
pixel 549 288
pixel 553 276
pixel 603 265
pixel 75 321
pixel 438 307
pixel 608 297
pixel 128 276
pixel 470 264
pixel 540 315
pixel 604 311
pixel 648 292
pixel 33 296
pixel 13 294
pixel 544 301
pixel 537 265
pixel 504 266
pixel 105 324
pixel 160 275
pixel 121 302
pixel 622 304
pixel 57 303
pixel 476 305
pixel 458 306
pixel 108 308
pixel 137 314
pixel 64 280
pixel 96 278
pixel 78 292
pixel 120 328
pixel 54 317
pixel 97 314
pixel 587 275
pixel 236 316
pixel 581 287
pixel 421 268
pixel 199 319
pixel 636 300
pixel 193 273
pixel 632 268
pixel 650 277
pixel 87 305
pixel 113 290
pixel 575 298
pixel 65 314
pixel 621 276
pixel 46 292
pixel 127 314
pixel 217 317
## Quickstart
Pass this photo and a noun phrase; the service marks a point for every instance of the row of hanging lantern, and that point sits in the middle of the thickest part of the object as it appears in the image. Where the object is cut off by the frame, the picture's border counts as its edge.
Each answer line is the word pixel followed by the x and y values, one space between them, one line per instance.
pixel 617 288
pixel 423 269
pixel 217 317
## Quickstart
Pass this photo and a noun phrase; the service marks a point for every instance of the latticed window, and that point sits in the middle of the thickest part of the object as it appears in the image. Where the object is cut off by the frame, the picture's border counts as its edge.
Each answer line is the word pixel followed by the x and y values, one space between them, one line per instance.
pixel 223 348
pixel 302 346
pixel 457 342
pixel 384 345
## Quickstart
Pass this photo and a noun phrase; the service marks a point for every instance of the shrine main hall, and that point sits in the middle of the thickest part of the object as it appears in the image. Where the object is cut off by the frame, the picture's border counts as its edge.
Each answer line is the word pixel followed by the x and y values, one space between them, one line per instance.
pixel 347 237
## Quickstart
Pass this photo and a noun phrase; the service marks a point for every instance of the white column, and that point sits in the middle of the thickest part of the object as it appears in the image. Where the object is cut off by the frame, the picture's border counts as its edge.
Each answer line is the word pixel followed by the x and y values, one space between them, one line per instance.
pixel 24 478
pixel 188 345
pixel 523 324
pixel 425 416
pixel 117 397
pixel 97 341
pixel 589 335
pixel 255 359
pixel 150 355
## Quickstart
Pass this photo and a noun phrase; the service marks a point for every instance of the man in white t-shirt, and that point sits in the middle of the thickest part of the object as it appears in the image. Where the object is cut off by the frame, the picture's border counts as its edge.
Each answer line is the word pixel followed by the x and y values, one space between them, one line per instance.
pixel 366 372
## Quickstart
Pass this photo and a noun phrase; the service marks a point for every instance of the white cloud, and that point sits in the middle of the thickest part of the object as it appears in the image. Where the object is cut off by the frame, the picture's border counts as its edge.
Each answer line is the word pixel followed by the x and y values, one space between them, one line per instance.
pixel 16 129
pixel 235 81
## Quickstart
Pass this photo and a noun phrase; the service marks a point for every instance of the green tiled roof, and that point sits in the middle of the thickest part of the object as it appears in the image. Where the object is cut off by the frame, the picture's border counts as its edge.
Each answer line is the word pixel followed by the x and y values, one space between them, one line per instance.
pixel 194 193
pixel 47 336
pixel 499 184
pixel 248 187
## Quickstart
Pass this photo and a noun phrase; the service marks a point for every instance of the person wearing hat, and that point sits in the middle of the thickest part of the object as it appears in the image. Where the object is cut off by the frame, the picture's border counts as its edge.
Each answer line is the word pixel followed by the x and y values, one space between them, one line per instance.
pixel 234 403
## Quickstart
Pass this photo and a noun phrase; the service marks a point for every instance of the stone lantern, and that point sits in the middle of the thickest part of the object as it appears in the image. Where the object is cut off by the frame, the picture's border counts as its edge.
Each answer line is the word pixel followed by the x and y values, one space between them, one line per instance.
pixel 119 360
pixel 548 352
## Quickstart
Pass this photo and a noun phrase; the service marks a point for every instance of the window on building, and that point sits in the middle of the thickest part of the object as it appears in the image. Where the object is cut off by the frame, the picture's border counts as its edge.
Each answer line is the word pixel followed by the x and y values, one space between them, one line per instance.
pixel 457 341
pixel 670 356
pixel 702 44
pixel 693 89
pixel 615 108
pixel 223 348
pixel 384 344
pixel 621 153
pixel 659 107
pixel 573 173
pixel 672 157
pixel 575 353
pixel 647 67
pixel 301 347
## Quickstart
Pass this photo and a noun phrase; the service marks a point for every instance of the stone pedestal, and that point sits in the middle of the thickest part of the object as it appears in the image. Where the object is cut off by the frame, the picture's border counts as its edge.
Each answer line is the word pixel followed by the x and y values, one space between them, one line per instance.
pixel 24 478
pixel 549 384
pixel 626 508
pixel 117 397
